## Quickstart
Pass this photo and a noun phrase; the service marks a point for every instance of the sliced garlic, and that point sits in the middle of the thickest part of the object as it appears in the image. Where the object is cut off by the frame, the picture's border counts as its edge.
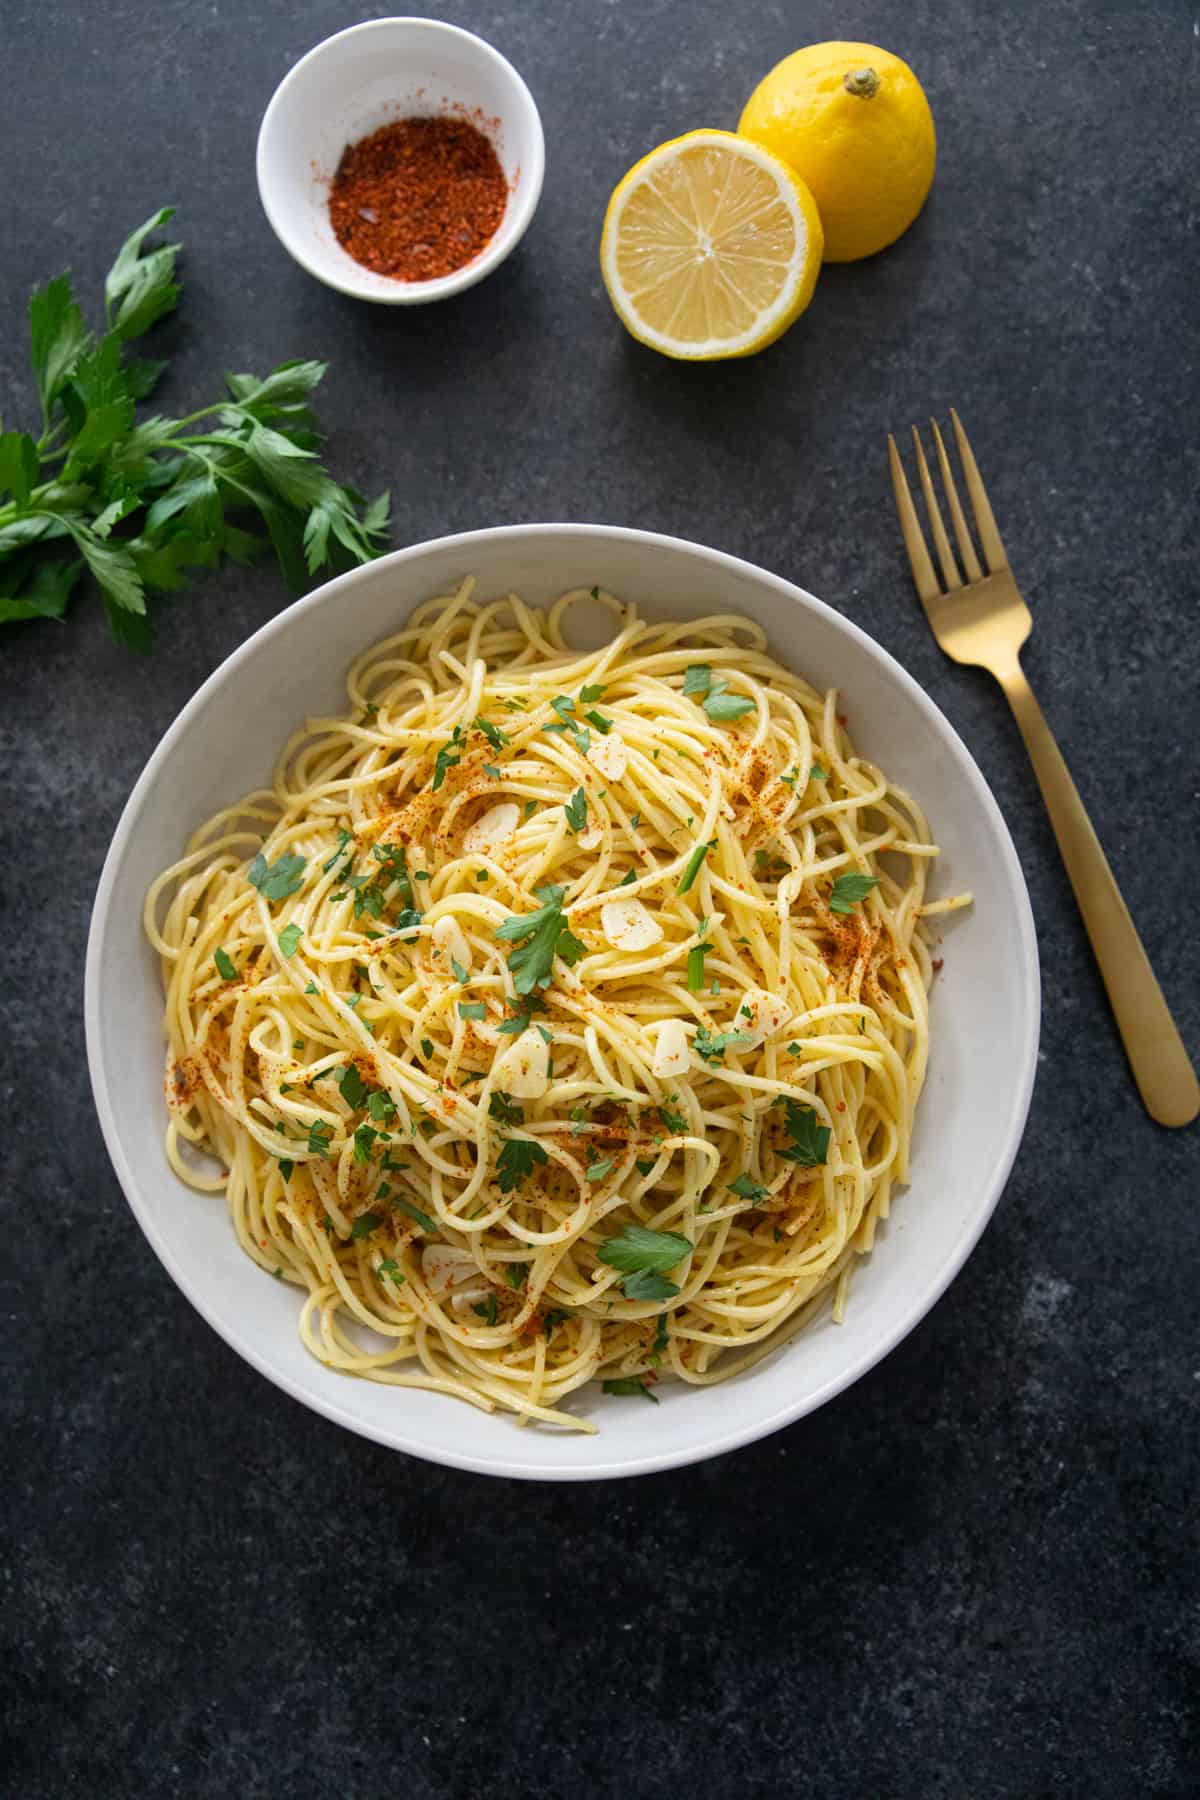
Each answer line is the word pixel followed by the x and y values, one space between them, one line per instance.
pixel 628 926
pixel 759 1015
pixel 445 1267
pixel 492 827
pixel 449 940
pixel 671 1056
pixel 587 840
pixel 463 1299
pixel 524 1068
pixel 607 755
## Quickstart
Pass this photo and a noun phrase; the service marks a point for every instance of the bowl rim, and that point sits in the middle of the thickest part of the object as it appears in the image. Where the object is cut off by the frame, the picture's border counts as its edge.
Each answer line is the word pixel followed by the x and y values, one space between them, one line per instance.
pixel 523 199
pixel 496 1464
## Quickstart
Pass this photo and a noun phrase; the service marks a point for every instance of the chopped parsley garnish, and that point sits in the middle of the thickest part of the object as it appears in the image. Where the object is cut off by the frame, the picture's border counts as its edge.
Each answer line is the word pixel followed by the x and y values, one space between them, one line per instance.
pixel 364 1137
pixel 530 808
pixel 352 1087
pixel 598 1170
pixel 492 770
pixel 312 988
pixel 595 690
pixel 644 1164
pixel 721 706
pixel 817 773
pixel 674 1122
pixel 661 1339
pixel 225 968
pixel 576 810
pixel 389 1266
pixel 629 1384
pixel 344 838
pixel 501 1107
pixel 445 760
pixel 635 821
pixel 381 1107
pixel 407 920
pixel 789 780
pixel 543 935
pixel 712 1046
pixel 746 1188
pixel 514 1274
pixel 697 679
pixel 848 890
pixel 495 737
pixel 365 1224
pixel 427 1048
pixel 603 725
pixel 319 1134
pixel 647 1286
pixel 486 1310
pixel 472 1009
pixel 558 1315
pixel 420 1218
pixel 286 1166
pixel 460 974
pixel 289 940
pixel 279 879
pixel 516 1160
pixel 692 868
pixel 810 1139
pixel 639 1252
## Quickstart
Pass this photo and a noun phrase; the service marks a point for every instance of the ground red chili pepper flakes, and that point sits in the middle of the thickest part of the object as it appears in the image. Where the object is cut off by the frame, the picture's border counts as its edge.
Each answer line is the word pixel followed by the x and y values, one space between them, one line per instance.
pixel 418 198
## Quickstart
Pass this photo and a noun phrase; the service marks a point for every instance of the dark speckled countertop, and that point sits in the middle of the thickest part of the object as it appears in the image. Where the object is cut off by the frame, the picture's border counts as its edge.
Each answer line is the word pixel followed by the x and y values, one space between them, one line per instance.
pixel 971 1575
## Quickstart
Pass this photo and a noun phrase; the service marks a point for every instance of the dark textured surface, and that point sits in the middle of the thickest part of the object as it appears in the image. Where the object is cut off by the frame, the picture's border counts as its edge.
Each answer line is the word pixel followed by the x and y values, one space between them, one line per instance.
pixel 970 1575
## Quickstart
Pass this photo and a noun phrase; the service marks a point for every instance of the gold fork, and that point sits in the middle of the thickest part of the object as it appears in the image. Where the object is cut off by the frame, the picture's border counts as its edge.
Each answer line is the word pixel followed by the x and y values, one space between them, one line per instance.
pixel 983 620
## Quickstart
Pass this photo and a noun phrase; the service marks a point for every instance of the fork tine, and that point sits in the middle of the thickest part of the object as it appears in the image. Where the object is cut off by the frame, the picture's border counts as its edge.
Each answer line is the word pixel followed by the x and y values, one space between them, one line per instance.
pixel 914 543
pixel 950 574
pixel 985 524
pixel 966 548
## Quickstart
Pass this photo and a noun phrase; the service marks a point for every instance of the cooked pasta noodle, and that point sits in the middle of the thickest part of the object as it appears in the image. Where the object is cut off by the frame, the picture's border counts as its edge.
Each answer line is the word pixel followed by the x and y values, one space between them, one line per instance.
pixel 556 1014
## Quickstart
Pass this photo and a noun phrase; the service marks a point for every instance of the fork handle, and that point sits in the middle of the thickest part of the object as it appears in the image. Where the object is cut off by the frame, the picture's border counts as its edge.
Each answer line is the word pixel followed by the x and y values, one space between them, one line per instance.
pixel 1161 1067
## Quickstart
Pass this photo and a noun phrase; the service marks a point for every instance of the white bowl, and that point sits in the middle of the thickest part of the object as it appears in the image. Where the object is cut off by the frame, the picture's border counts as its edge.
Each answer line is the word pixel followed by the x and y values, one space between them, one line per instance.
pixel 985 1004
pixel 366 77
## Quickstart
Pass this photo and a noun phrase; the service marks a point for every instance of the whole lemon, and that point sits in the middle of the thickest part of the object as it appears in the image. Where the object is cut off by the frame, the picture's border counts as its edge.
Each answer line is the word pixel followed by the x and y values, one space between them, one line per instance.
pixel 854 123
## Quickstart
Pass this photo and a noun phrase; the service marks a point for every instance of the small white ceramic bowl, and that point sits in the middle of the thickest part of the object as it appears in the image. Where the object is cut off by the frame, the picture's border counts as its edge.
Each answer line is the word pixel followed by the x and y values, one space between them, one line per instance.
pixel 366 77
pixel 984 1007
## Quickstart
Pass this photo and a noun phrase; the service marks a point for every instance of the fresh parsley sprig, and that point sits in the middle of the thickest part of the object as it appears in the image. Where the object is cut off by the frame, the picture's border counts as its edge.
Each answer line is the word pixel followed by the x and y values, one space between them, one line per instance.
pixel 542 935
pixel 141 503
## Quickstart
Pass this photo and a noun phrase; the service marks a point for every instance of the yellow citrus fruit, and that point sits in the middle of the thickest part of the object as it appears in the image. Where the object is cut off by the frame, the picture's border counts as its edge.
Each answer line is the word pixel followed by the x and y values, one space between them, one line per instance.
pixel 711 247
pixel 854 123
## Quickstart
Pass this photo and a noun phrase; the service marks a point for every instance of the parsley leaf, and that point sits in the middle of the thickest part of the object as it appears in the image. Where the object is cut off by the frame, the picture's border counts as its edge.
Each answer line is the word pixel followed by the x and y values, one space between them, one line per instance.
pixel 598 1170
pixel 487 1310
pixel 472 1009
pixel 495 737
pixel 675 1122
pixel 289 940
pixel 319 1134
pixel 460 974
pixel 427 1048
pixel 381 1106
pixel 817 773
pixel 695 966
pixel 721 706
pixel 646 1285
pixel 543 935
pixel 635 1249
pixel 283 877
pixel 848 890
pixel 344 838
pixel 697 679
pixel 501 1107
pixel 602 724
pixel 286 1167
pixel 810 1139
pixel 516 1160
pixel 420 1218
pixel 576 810
pixel 629 1384
pixel 445 760
pixel 225 967
pixel 644 1164
pixel 389 1266
pixel 593 691
pixel 746 1188
pixel 352 1087
pixel 364 1137
pixel 712 1047
pixel 514 1274
pixel 365 1224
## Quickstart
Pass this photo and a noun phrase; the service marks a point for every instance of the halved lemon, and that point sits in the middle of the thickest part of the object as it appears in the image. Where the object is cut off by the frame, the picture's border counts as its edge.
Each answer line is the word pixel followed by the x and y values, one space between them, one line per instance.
pixel 711 247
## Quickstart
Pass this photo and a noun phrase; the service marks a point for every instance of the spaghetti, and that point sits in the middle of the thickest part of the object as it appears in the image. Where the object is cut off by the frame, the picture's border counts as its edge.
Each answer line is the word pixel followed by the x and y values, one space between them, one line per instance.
pixel 556 1014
